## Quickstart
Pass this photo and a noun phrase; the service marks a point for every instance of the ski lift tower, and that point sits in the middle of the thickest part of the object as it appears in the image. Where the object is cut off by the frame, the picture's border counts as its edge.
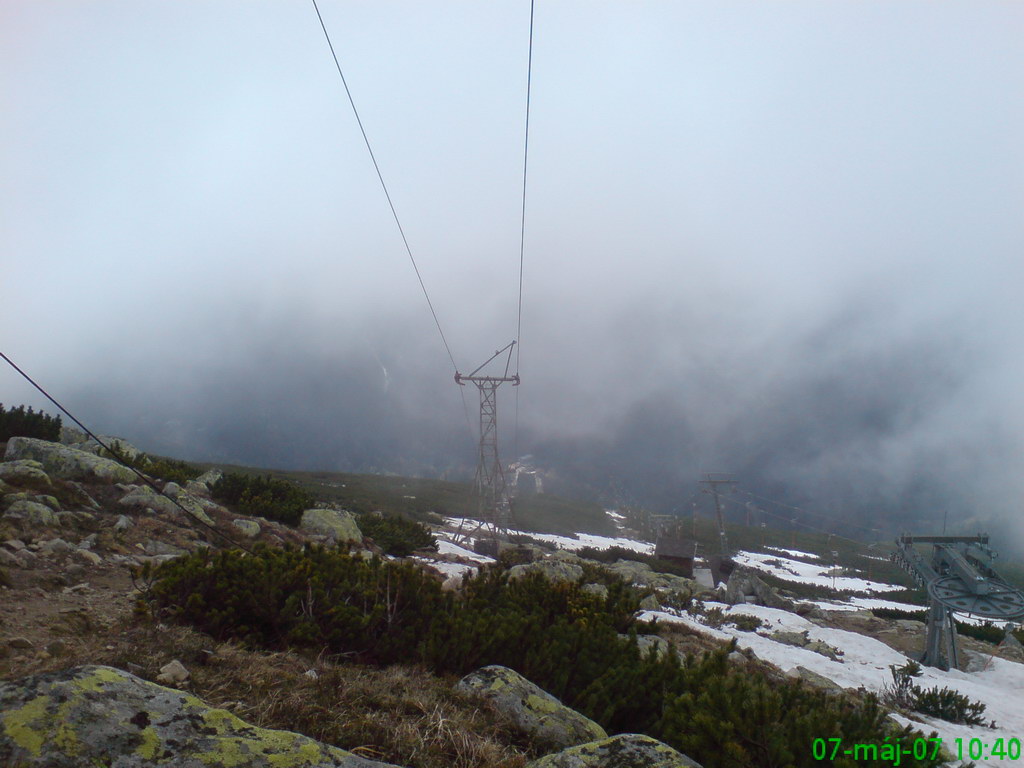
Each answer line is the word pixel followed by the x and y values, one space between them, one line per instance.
pixel 959 578
pixel 492 490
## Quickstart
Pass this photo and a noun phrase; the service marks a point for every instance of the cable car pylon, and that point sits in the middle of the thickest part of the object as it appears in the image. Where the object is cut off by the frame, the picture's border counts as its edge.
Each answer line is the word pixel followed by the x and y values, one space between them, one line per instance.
pixel 494 506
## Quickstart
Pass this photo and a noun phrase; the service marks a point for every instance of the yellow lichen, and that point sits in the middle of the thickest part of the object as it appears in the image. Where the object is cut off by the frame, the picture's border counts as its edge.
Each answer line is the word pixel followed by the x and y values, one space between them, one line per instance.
pixel 23 725
pixel 99 676
pixel 150 743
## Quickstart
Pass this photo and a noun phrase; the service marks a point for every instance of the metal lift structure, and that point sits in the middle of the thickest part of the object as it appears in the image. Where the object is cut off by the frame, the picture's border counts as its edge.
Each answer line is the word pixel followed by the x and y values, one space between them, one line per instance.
pixel 959 578
pixel 494 506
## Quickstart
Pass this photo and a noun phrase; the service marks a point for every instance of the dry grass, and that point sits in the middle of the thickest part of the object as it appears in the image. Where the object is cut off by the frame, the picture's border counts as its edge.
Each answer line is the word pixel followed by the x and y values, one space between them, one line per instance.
pixel 401 715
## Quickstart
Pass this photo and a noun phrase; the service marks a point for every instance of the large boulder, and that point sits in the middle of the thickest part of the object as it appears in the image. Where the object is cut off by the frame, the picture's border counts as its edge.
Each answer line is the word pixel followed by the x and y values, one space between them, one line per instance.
pixel 102 716
pixel 550 724
pixel 336 525
pixel 557 571
pixel 25 472
pixel 641 574
pixel 743 584
pixel 118 444
pixel 144 497
pixel 627 750
pixel 68 463
pixel 32 512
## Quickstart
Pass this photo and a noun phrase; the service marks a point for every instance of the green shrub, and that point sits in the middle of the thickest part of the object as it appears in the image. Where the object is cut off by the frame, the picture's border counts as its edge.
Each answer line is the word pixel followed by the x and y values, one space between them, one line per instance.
pixel 396 535
pixel 565 640
pixel 744 621
pixel 263 497
pixel 22 422
pixel 172 470
pixel 947 704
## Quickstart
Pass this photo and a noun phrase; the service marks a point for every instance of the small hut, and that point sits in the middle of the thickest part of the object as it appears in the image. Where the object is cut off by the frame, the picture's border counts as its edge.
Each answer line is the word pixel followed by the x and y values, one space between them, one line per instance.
pixel 677 549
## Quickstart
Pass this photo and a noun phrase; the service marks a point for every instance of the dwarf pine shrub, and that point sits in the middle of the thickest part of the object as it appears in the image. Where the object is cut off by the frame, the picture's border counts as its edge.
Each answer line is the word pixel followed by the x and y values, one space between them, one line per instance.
pixel 22 422
pixel 396 535
pixel 261 496
pixel 567 641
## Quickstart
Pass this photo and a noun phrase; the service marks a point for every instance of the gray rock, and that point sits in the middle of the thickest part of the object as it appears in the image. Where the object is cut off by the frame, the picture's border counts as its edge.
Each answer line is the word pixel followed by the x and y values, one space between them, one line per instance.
pixel 820 646
pixel 641 574
pixel 550 724
pixel 24 472
pixel 119 444
pixel 646 642
pixel 338 526
pixel 88 542
pixel 598 590
pixel 210 477
pixel 172 490
pixel 72 436
pixel 68 463
pixel 144 497
pixel 56 546
pixel 123 523
pixel 11 559
pixel 103 716
pixel 650 603
pixel 32 512
pixel 85 556
pixel 627 750
pixel 248 528
pixel 155 547
pixel 197 489
pixel 173 672
pixel 813 679
pixel 15 545
pixel 743 584
pixel 20 642
pixel 557 571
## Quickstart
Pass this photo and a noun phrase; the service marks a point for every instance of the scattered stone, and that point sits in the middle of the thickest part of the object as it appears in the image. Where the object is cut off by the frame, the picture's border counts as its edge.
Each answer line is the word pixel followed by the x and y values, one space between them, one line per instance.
pixel 11 559
pixel 627 750
pixel 75 572
pixel 196 488
pixel 57 648
pixel 743 583
pixel 85 556
pixel 55 546
pixel 210 477
pixel 88 542
pixel 155 547
pixel 68 463
pixel 104 716
pixel 144 497
pixel 598 590
pixel 650 603
pixel 172 490
pixel 25 472
pixel 15 545
pixel 820 646
pixel 311 674
pixel 737 658
pixel 123 523
pixel 118 444
pixel 20 642
pixel 173 672
pixel 336 525
pixel 75 517
pixel 557 571
pixel 549 723
pixel 660 644
pixel 813 679
pixel 248 528
pixel 32 512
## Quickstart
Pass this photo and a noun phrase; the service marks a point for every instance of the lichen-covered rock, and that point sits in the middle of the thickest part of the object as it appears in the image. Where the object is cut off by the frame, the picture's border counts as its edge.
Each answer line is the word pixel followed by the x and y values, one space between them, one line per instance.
pixel 102 716
pixel 641 574
pixel 118 444
pixel 25 472
pixel 248 528
pixel 210 477
pixel 627 750
pixel 144 497
pixel 32 512
pixel 550 724
pixel 743 584
pixel 557 571
pixel 336 525
pixel 813 679
pixel 599 591
pixel 68 463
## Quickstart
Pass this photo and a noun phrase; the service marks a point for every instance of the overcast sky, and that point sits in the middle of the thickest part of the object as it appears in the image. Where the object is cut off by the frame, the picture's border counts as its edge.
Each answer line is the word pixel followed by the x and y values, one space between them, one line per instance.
pixel 781 239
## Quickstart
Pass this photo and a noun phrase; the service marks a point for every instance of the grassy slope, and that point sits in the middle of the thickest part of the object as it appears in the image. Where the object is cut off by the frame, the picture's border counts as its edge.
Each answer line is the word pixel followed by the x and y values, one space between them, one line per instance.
pixel 418 497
